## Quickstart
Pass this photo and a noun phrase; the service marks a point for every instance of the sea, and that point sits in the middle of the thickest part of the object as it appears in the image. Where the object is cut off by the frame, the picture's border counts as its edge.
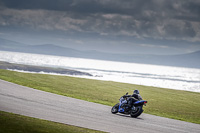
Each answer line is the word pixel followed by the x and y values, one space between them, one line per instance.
pixel 178 78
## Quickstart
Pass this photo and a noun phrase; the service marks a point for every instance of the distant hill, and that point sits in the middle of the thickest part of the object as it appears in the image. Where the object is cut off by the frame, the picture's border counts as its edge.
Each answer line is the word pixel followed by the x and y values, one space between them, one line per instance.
pixel 191 60
pixel 11 45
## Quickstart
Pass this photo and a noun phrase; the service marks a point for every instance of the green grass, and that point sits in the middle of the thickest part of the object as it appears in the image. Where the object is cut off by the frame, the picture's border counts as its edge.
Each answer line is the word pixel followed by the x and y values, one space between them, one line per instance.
pixel 13 123
pixel 181 105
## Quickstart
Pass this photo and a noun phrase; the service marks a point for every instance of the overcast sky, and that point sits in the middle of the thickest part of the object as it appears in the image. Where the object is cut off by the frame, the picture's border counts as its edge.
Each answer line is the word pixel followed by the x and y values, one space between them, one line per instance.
pixel 118 26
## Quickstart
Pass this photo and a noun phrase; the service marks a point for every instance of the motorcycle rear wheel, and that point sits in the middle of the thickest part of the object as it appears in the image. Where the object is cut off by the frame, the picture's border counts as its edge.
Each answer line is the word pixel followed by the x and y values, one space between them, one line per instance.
pixel 136 112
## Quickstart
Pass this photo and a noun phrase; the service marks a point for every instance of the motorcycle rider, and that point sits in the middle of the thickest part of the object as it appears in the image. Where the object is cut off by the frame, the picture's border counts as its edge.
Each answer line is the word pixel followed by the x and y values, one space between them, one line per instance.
pixel 132 98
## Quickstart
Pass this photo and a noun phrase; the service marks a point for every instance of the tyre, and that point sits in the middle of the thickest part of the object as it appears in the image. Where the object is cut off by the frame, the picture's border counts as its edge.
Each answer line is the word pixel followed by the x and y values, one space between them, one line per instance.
pixel 138 111
pixel 115 108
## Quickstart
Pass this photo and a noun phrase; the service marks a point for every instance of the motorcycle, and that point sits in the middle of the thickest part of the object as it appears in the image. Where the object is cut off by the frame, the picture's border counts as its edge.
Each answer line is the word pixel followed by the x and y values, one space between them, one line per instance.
pixel 135 110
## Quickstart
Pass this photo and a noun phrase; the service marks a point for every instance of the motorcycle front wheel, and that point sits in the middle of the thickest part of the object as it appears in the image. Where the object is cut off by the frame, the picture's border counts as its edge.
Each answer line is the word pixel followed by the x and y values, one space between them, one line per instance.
pixel 115 108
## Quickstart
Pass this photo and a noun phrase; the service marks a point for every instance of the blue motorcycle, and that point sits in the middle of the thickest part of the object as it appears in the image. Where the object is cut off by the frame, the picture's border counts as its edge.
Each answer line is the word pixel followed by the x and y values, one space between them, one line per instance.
pixel 135 110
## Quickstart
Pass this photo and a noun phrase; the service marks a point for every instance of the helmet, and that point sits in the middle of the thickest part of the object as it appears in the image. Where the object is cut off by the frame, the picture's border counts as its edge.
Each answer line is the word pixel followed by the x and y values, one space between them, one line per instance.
pixel 136 92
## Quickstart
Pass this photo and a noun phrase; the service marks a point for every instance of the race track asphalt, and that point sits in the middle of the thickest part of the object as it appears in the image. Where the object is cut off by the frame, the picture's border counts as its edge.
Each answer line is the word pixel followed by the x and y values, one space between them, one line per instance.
pixel 39 104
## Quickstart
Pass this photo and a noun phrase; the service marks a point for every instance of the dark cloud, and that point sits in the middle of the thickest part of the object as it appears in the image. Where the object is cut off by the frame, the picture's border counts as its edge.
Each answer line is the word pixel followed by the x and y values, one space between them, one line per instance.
pixel 38 4
pixel 107 19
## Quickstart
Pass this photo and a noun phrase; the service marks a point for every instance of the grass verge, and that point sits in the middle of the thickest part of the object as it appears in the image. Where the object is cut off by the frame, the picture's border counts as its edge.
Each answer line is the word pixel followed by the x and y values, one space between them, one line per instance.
pixel 181 105
pixel 13 123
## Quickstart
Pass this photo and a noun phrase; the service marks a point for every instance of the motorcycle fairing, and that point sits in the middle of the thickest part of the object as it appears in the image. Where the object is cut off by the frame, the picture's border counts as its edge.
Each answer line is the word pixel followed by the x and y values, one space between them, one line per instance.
pixel 121 110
